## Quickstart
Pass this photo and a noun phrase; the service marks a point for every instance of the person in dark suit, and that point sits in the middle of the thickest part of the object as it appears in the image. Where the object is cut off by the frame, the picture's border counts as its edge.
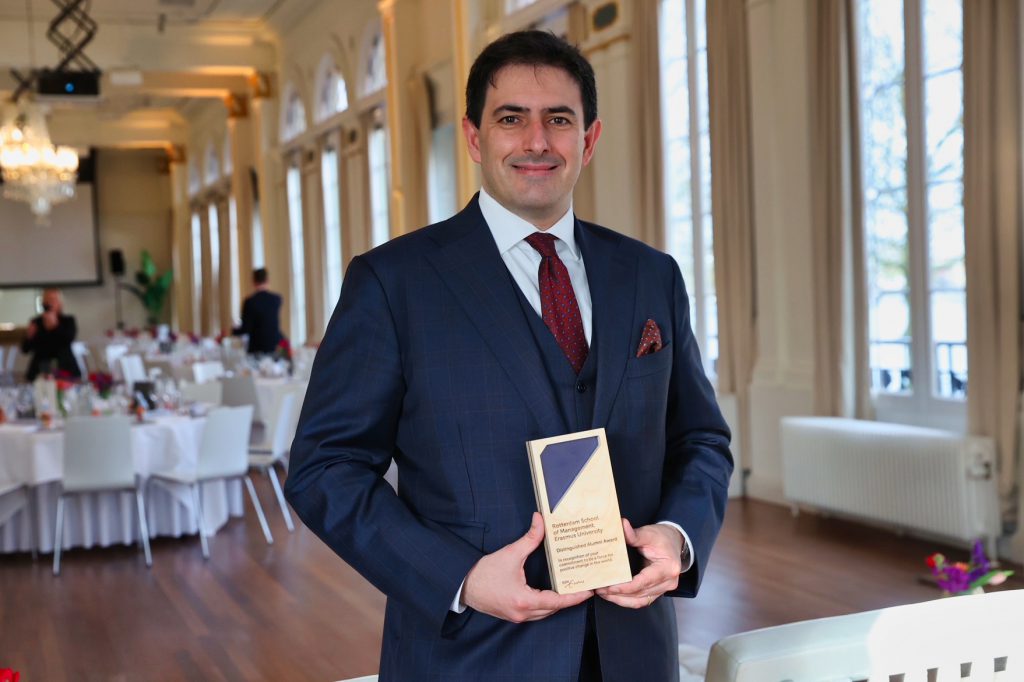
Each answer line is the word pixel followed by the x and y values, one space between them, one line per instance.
pixel 455 344
pixel 49 339
pixel 261 314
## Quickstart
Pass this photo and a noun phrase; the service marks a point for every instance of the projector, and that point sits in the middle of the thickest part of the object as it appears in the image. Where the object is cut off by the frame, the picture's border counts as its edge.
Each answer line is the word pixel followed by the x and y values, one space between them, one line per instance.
pixel 68 84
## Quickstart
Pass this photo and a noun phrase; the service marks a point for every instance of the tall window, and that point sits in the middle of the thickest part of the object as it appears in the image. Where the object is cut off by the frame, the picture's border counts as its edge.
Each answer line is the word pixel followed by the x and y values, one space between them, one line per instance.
pixel 332 93
pixel 441 200
pixel 235 280
pixel 298 257
pixel 197 272
pixel 213 291
pixel 258 259
pixel 293 117
pixel 687 159
pixel 332 229
pixel 911 106
pixel 379 182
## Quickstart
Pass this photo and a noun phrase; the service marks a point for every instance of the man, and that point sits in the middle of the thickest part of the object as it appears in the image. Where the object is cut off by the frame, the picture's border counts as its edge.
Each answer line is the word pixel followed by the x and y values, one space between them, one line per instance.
pixel 261 314
pixel 454 345
pixel 49 337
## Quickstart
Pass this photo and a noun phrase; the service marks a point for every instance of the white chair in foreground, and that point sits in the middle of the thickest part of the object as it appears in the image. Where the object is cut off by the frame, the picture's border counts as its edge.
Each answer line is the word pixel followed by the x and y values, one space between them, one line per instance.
pixel 977 637
pixel 223 455
pixel 98 457
pixel 264 459
pixel 207 371
pixel 211 392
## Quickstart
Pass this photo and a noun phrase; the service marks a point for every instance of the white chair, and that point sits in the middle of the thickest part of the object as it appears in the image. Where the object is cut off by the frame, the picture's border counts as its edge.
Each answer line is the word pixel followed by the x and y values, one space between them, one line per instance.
pixel 97 458
pixel 81 353
pixel 111 354
pixel 207 371
pixel 264 459
pixel 211 392
pixel 984 632
pixel 223 455
pixel 239 390
pixel 17 496
pixel 132 369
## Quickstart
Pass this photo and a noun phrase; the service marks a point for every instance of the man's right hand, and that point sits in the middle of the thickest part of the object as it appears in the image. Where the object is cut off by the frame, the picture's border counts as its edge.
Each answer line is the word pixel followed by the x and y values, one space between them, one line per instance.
pixel 31 331
pixel 496 585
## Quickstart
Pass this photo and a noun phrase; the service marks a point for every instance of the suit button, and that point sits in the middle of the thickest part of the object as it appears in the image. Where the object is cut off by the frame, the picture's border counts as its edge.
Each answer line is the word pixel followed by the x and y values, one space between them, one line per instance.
pixel 581 387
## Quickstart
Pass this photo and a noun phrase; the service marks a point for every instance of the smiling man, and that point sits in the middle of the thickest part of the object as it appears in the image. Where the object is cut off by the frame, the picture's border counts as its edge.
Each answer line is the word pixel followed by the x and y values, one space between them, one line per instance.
pixel 453 346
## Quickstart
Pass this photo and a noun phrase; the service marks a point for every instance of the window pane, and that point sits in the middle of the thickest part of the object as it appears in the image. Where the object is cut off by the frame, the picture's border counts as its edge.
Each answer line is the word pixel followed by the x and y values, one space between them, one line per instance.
pixel 298 259
pixel 197 272
pixel 944 126
pixel 236 306
pixel 884 139
pixel 949 341
pixel 332 230
pixel 213 291
pixel 379 185
pixel 258 260
pixel 441 199
pixel 943 35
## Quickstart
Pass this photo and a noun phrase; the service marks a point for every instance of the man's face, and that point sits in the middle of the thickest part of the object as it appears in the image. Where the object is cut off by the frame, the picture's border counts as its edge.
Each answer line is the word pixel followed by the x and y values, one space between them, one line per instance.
pixel 531 144
pixel 52 301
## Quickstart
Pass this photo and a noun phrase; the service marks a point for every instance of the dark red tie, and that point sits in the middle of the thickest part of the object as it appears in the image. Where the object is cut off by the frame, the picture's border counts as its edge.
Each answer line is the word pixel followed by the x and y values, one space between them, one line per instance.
pixel 558 304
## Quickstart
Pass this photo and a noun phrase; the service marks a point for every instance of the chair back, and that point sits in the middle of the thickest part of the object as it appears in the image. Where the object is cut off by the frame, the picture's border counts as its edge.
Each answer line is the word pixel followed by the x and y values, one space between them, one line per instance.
pixel 239 390
pixel 207 371
pixel 281 429
pixel 98 453
pixel 224 446
pixel 211 392
pixel 985 631
pixel 111 354
pixel 81 353
pixel 132 369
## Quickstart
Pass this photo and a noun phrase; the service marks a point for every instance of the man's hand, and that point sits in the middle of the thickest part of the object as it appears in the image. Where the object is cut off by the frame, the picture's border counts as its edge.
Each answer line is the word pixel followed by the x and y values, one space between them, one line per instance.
pixel 496 585
pixel 660 546
pixel 31 331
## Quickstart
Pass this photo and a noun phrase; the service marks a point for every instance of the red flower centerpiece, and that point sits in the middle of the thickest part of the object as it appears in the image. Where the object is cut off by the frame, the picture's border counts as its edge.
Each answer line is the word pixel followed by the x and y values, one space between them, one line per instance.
pixel 966 578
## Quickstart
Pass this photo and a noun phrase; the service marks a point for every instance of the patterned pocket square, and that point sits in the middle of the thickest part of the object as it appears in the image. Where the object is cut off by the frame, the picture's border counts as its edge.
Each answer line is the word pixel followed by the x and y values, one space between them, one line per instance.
pixel 650 340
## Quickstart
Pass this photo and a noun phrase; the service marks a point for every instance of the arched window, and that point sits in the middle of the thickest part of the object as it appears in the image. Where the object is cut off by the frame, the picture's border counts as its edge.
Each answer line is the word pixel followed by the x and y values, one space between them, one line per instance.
pixel 374 72
pixel 331 92
pixel 212 164
pixel 293 118
pixel 229 163
pixel 195 182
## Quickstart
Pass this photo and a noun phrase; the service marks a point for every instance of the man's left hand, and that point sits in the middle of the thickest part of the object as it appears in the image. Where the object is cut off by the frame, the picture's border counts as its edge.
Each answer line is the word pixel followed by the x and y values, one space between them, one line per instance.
pixel 660 546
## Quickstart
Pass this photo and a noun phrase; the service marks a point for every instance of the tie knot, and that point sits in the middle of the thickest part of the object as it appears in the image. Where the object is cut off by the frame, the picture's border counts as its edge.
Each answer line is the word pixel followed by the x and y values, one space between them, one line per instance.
pixel 544 243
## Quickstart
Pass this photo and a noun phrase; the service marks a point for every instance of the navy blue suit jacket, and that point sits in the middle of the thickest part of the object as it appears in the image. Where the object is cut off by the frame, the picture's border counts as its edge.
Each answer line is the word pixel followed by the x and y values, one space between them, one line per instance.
pixel 430 361
pixel 261 320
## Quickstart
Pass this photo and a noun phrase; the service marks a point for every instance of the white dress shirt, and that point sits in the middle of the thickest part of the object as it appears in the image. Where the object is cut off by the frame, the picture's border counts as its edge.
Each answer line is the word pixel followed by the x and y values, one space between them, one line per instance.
pixel 523 262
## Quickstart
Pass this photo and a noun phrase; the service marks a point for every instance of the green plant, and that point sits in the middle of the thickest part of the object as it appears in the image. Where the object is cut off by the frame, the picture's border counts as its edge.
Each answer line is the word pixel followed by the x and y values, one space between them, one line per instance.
pixel 152 290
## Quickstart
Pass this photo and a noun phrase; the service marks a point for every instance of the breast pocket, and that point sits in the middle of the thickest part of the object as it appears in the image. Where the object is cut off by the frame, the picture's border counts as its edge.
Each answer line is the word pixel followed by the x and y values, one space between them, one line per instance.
pixel 650 364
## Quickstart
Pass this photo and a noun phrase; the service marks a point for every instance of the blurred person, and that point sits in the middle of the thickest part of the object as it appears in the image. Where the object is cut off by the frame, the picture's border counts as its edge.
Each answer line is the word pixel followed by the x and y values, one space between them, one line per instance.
pixel 261 314
pixel 49 339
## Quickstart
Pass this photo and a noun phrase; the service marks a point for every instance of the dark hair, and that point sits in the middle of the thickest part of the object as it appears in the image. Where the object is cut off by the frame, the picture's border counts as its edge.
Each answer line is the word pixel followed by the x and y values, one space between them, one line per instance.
pixel 529 48
pixel 259 276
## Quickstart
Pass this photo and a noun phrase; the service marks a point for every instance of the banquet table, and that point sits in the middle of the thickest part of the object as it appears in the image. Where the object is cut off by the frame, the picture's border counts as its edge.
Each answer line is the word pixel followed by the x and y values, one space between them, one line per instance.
pixel 34 457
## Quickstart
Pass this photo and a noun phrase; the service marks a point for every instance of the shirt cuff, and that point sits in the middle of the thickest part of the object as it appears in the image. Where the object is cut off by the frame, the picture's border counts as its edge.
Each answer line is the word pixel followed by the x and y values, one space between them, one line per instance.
pixel 686 543
pixel 459 607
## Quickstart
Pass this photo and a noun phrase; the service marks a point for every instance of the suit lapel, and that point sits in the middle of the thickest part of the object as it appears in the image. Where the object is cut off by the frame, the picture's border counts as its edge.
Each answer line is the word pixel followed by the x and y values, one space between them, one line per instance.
pixel 470 265
pixel 612 279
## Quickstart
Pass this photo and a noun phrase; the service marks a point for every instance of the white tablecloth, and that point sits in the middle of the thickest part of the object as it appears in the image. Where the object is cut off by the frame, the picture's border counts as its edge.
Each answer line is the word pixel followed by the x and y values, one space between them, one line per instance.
pixel 36 459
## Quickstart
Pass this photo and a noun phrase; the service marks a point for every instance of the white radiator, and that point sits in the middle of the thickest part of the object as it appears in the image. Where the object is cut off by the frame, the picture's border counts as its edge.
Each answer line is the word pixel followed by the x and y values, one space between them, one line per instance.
pixel 937 482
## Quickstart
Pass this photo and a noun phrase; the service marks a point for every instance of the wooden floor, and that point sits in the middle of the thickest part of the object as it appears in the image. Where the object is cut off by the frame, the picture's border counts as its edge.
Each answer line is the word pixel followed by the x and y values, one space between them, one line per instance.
pixel 293 611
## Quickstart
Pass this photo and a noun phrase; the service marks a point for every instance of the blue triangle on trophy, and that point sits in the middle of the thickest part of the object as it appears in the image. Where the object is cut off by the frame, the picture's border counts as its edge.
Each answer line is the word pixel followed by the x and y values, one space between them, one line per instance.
pixel 562 464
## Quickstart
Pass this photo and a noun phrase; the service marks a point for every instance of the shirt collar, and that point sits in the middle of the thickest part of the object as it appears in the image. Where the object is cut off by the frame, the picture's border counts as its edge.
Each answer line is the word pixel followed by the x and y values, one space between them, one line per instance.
pixel 508 229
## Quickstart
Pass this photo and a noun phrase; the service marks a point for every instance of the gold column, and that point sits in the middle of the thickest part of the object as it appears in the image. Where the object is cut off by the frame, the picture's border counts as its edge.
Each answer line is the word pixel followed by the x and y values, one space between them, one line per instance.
pixel 181 237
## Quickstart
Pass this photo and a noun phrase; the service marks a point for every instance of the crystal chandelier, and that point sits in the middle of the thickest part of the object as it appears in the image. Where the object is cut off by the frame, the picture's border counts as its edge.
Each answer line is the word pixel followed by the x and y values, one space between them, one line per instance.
pixel 34 171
